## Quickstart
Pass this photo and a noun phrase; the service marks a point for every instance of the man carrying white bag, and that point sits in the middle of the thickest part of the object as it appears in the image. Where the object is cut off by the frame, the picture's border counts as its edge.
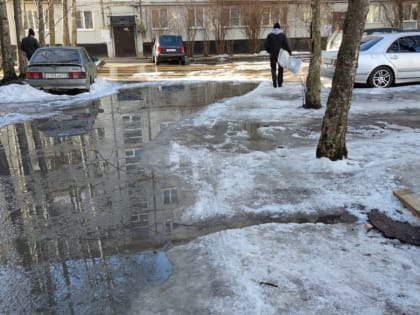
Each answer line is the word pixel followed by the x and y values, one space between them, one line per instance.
pixel 275 41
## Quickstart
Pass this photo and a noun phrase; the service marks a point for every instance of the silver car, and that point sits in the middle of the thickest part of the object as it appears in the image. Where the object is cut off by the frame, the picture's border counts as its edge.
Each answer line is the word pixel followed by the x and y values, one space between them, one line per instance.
pixel 384 60
pixel 61 68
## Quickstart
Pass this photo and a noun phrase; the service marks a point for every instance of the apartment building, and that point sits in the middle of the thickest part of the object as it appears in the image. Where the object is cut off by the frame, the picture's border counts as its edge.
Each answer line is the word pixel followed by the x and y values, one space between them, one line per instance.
pixel 121 28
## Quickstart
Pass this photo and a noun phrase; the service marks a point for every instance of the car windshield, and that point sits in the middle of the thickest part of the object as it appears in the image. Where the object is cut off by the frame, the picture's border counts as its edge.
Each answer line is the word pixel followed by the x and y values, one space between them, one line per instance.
pixel 54 56
pixel 170 41
pixel 369 41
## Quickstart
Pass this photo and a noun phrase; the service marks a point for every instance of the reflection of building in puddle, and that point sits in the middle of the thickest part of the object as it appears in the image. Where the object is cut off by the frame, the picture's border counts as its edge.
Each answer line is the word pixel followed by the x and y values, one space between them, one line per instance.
pixel 75 188
pixel 87 179
pixel 145 112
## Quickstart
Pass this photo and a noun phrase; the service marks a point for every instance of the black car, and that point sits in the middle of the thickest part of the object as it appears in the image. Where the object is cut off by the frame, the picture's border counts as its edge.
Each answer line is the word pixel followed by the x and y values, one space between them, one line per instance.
pixel 168 48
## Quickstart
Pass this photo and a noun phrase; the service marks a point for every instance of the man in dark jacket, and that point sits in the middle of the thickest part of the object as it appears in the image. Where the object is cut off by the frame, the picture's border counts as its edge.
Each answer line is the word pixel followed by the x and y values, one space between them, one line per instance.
pixel 274 41
pixel 29 44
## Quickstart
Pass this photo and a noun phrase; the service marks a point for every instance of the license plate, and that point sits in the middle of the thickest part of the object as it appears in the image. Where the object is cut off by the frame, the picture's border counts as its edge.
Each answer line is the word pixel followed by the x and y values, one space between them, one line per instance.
pixel 171 50
pixel 328 61
pixel 48 75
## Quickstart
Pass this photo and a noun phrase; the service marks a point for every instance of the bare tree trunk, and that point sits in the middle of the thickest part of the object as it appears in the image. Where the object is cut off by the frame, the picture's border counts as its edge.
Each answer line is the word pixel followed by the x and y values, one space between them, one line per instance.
pixel 51 22
pixel 189 19
pixel 41 26
pixel 219 23
pixel 9 73
pixel 206 42
pixel 17 9
pixel 252 12
pixel 313 81
pixel 398 9
pixel 332 142
pixel 73 24
pixel 66 35
pixel 418 14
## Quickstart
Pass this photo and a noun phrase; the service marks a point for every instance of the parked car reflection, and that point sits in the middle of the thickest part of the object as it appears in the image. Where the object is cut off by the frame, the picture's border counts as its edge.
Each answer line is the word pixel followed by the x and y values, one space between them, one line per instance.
pixel 71 122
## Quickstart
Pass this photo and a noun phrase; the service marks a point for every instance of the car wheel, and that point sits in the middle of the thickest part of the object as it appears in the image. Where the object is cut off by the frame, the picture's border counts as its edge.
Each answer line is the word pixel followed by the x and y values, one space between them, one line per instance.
pixel 182 60
pixel 381 77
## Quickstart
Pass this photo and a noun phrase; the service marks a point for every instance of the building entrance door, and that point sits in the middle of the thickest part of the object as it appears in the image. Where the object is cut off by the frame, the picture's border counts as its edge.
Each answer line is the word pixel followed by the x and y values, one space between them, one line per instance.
pixel 124 40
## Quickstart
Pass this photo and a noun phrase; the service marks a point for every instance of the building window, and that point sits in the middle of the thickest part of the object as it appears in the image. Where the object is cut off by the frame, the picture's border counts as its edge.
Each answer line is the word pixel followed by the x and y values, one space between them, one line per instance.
pixel 132 156
pixel 170 196
pixel 132 129
pixel 31 20
pixel 231 17
pixel 266 17
pixel 84 20
pixel 272 15
pixel 160 18
pixel 375 13
pixel 235 17
pixel 196 17
pixel 410 11
pixel 141 219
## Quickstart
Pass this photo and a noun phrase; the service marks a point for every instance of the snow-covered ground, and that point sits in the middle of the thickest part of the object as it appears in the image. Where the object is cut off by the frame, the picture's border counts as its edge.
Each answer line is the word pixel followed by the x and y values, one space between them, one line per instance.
pixel 278 268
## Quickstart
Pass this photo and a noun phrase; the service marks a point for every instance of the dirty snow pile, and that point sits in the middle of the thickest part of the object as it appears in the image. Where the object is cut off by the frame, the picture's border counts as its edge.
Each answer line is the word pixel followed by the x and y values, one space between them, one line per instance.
pixel 279 268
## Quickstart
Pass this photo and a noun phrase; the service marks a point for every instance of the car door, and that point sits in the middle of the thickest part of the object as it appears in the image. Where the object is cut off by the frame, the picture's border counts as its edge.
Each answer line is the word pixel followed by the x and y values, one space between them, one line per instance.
pixel 404 55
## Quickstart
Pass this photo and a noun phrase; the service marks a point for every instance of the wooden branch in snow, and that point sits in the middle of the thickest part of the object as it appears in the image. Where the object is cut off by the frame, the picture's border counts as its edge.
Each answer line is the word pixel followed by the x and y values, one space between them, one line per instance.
pixel 402 231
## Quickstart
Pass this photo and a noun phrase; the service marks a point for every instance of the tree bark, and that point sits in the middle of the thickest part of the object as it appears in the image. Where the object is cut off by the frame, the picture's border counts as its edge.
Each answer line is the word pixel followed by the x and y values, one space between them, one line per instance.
pixel 51 22
pixel 73 24
pixel 41 24
pixel 398 12
pixel 251 12
pixel 219 22
pixel 66 35
pixel 332 142
pixel 9 73
pixel 17 10
pixel 313 80
pixel 402 231
pixel 418 14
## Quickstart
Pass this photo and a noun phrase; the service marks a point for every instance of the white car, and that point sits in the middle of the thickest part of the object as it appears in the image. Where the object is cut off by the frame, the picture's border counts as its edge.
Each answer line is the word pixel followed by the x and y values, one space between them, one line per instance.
pixel 384 60
pixel 61 68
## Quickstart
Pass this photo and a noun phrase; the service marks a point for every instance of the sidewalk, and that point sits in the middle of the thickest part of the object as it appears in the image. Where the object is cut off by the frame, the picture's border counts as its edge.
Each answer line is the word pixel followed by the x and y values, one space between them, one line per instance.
pixel 305 56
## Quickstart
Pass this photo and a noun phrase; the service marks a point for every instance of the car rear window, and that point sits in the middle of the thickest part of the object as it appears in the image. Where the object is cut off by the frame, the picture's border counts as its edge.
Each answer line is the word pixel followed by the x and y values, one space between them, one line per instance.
pixel 170 40
pixel 368 42
pixel 54 56
pixel 406 44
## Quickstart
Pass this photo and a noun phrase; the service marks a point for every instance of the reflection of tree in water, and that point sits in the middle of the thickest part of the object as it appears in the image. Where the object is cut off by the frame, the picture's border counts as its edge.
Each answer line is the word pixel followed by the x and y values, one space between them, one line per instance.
pixel 83 208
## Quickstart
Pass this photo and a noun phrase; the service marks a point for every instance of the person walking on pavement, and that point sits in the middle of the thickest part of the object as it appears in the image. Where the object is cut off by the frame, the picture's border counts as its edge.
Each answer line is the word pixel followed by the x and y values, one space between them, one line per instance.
pixel 273 43
pixel 29 44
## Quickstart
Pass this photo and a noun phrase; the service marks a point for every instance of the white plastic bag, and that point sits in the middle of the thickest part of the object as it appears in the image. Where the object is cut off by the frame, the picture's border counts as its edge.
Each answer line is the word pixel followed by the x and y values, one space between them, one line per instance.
pixel 289 63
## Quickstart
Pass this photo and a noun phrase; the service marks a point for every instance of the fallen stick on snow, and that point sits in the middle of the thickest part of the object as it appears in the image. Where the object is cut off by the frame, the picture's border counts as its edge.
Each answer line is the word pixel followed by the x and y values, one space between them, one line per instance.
pixel 402 231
